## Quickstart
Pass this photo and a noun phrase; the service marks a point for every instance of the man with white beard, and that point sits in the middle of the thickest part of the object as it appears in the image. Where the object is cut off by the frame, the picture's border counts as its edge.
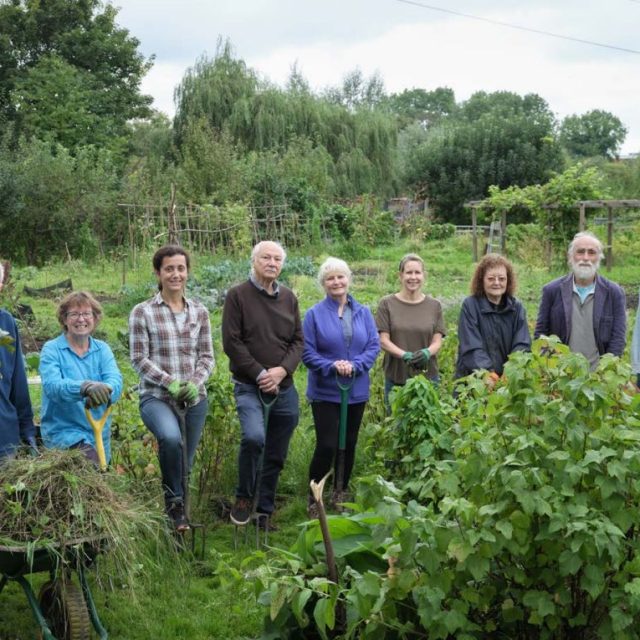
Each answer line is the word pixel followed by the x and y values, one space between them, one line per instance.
pixel 585 310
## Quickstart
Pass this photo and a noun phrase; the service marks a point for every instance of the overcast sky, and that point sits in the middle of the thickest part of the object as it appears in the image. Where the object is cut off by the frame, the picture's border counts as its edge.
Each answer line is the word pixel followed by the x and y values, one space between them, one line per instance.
pixel 409 46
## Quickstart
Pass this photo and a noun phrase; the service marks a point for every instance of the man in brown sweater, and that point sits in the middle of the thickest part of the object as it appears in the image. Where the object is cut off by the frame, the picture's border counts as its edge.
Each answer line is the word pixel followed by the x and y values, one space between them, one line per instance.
pixel 262 335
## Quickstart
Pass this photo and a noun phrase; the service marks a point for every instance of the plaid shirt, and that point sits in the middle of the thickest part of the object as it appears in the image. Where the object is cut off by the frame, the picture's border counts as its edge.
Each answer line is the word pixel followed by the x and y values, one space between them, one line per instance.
pixel 161 352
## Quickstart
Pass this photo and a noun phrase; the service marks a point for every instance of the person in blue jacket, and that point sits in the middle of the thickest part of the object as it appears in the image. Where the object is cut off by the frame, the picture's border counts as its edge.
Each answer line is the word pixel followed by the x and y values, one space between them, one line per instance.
pixel 340 343
pixel 77 371
pixel 16 414
pixel 635 348
pixel 492 323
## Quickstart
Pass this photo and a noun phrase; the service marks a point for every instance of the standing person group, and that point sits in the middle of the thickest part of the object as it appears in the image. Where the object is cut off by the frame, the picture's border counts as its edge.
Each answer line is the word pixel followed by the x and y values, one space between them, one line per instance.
pixel 262 335
pixel 16 414
pixel 411 328
pixel 493 323
pixel 77 372
pixel 340 346
pixel 171 349
pixel 265 340
pixel 584 309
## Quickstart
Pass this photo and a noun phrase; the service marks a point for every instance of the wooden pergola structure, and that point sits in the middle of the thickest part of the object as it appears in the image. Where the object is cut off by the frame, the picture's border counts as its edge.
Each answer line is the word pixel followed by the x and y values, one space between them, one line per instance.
pixel 609 205
pixel 474 205
pixel 582 205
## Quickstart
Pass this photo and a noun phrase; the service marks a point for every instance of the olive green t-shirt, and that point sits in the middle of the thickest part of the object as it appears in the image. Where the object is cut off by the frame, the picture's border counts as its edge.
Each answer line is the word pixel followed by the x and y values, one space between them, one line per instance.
pixel 411 326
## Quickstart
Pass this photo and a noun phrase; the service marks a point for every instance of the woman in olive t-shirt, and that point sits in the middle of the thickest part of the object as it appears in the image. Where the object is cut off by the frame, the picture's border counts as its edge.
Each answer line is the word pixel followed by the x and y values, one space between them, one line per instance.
pixel 411 327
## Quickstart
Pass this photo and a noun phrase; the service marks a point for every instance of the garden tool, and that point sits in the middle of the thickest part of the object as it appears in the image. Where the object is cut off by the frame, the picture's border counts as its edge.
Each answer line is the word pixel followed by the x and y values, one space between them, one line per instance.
pixel 98 426
pixel 259 518
pixel 180 409
pixel 345 390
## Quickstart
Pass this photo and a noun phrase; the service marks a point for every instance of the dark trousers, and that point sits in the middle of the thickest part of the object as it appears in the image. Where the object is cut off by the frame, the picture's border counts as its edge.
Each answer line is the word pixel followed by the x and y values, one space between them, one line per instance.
pixel 283 418
pixel 326 419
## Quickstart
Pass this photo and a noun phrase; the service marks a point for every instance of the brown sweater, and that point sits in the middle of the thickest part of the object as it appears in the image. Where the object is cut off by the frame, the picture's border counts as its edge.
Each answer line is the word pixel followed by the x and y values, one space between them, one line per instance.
pixel 260 331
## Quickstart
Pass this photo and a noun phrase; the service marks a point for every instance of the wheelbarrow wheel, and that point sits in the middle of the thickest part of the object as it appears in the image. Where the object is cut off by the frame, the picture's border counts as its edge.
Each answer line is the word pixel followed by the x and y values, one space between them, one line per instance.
pixel 65 610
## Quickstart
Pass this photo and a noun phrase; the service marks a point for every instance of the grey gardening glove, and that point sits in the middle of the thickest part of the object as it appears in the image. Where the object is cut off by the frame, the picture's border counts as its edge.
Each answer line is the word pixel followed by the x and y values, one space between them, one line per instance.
pixel 420 358
pixel 96 393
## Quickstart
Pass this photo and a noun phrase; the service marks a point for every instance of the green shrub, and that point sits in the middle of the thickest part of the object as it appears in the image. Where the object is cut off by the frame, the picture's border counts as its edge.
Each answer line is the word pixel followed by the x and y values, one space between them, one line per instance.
pixel 526 526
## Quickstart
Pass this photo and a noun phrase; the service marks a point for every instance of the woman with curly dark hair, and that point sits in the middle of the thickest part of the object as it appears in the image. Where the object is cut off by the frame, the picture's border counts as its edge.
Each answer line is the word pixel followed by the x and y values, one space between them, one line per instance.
pixel 493 323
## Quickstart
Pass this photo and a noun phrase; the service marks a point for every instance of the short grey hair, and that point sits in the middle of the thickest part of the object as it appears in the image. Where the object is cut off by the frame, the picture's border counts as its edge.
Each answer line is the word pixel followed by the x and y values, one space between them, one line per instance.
pixel 331 265
pixel 584 234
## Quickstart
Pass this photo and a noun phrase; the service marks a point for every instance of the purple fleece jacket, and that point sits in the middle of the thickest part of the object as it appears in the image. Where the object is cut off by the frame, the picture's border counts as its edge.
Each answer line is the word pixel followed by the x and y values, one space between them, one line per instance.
pixel 324 343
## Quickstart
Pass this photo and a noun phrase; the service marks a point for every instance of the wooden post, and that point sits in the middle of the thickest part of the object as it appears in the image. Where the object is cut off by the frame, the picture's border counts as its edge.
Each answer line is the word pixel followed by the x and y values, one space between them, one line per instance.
pixel 503 232
pixel 171 218
pixel 474 224
pixel 609 261
pixel 582 225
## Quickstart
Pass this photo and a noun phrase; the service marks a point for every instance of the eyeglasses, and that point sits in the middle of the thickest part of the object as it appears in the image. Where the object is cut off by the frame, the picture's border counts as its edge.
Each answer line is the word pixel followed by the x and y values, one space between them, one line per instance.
pixel 498 279
pixel 74 315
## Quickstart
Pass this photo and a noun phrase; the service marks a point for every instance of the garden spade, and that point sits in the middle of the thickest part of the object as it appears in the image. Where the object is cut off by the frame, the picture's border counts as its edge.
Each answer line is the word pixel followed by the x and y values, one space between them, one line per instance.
pixel 345 390
pixel 181 413
pixel 98 426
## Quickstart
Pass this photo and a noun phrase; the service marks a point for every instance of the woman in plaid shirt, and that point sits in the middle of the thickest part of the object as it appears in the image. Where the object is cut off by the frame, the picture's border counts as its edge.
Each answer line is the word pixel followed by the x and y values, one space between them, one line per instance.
pixel 170 347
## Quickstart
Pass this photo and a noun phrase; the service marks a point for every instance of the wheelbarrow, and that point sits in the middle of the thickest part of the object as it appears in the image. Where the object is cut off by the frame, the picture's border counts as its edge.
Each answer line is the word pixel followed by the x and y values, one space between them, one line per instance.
pixel 62 610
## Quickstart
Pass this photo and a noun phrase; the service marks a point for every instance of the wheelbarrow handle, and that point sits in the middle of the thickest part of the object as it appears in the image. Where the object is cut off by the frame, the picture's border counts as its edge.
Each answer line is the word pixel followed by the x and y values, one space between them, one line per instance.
pixel 98 425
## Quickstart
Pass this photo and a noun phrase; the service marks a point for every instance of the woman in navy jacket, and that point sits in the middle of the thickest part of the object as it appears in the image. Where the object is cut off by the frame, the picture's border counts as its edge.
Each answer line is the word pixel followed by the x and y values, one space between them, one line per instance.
pixel 340 343
pixel 492 322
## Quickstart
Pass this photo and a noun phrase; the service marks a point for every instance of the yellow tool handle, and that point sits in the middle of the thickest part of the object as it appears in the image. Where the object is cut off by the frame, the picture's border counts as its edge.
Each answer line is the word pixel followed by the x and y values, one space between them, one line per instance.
pixel 97 426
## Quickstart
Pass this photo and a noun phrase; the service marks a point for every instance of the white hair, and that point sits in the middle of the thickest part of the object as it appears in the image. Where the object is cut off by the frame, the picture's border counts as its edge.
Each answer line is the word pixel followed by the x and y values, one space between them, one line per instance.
pixel 332 265
pixel 580 235
pixel 260 246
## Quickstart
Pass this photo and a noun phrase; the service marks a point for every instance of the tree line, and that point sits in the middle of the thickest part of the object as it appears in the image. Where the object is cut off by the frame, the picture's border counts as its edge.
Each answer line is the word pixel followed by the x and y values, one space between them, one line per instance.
pixel 80 137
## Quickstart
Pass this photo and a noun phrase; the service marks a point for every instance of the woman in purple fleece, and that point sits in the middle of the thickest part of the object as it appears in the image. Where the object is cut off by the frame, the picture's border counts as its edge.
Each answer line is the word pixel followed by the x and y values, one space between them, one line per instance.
pixel 340 344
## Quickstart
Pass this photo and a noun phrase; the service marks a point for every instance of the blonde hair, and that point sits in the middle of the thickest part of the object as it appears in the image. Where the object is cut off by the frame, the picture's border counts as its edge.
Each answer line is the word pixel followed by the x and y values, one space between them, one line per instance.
pixel 410 257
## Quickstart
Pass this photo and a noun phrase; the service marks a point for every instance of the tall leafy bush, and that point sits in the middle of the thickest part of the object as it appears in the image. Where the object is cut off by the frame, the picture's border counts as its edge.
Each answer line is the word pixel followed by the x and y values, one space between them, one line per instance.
pixel 525 524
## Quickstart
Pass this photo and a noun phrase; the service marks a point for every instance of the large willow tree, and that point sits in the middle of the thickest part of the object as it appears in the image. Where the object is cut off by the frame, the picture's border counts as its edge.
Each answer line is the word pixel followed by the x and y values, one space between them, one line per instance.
pixel 259 118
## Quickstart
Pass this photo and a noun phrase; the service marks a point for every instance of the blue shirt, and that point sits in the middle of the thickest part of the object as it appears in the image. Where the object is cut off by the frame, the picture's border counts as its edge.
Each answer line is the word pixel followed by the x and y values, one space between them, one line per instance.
pixel 16 416
pixel 64 422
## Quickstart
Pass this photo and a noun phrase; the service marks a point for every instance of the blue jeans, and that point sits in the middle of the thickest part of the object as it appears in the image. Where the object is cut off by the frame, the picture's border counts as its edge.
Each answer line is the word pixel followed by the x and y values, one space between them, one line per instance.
pixel 283 418
pixel 160 418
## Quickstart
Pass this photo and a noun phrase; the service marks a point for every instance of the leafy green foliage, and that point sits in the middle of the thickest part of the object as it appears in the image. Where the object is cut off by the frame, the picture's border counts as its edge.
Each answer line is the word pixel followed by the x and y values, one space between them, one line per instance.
pixel 494 139
pixel 54 195
pixel 553 204
pixel 69 72
pixel 421 106
pixel 526 526
pixel 595 133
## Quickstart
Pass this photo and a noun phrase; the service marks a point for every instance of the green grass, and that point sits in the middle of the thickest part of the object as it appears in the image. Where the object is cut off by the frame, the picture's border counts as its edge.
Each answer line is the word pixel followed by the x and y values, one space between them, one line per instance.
pixel 188 599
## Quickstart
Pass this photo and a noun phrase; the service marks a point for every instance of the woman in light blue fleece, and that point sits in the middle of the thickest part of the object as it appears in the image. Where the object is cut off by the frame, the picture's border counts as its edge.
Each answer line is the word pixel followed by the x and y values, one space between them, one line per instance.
pixel 77 371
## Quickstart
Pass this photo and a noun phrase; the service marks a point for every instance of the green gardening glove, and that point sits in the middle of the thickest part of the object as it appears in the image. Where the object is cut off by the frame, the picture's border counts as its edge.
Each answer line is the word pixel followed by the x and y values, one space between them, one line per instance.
pixel 174 389
pixel 188 393
pixel 406 356
pixel 420 358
